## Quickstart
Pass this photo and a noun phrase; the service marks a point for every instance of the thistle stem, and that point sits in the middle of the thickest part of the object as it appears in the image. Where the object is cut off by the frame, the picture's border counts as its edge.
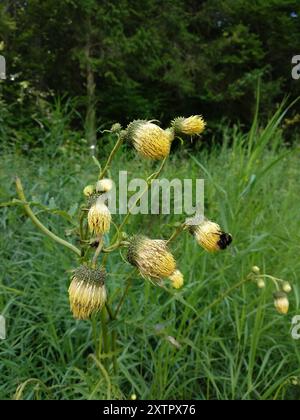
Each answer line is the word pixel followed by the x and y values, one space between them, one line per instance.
pixel 114 349
pixel 219 299
pixel 98 251
pixel 38 223
pixel 118 144
pixel 149 181
pixel 104 336
pixel 176 233
pixel 122 298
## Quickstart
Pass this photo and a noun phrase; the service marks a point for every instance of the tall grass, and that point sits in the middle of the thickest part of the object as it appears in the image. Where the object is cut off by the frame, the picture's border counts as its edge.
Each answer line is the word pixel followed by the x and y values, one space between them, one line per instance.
pixel 240 349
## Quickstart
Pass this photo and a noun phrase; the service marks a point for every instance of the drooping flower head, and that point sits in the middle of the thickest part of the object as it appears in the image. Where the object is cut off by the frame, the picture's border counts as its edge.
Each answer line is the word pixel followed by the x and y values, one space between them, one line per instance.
pixel 151 256
pixel 210 236
pixel 281 302
pixel 191 126
pixel 87 292
pixel 99 217
pixel 149 139
pixel 153 259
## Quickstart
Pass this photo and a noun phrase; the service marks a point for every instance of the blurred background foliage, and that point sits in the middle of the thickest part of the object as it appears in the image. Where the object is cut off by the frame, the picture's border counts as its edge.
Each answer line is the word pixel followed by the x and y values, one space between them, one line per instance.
pixel 129 59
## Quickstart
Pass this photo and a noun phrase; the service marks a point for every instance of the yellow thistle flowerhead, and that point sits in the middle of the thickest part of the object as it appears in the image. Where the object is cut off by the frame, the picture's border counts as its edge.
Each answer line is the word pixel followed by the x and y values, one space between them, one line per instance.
pixel 177 279
pixel 151 256
pixel 281 302
pixel 87 292
pixel 191 126
pixel 99 217
pixel 104 185
pixel 89 190
pixel 149 139
pixel 210 236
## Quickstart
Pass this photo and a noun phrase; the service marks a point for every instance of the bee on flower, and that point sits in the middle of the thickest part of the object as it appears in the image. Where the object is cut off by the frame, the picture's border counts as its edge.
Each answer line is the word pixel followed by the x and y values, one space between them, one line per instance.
pixel 210 236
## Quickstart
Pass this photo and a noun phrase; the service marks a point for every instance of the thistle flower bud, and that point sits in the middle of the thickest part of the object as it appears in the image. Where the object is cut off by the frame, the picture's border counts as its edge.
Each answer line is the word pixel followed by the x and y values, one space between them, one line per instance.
pixel 190 126
pixel 99 217
pixel 87 292
pixel 286 287
pixel 149 139
pixel 281 302
pixel 261 284
pixel 210 236
pixel 151 256
pixel 116 128
pixel 177 279
pixel 88 190
pixel 104 185
pixel 255 269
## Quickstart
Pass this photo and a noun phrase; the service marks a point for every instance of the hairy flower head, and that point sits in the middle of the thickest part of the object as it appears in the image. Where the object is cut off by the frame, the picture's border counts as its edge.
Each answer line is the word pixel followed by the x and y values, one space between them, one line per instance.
pixel 149 139
pixel 99 217
pixel 177 279
pixel 151 256
pixel 281 302
pixel 87 292
pixel 104 185
pixel 210 236
pixel 190 126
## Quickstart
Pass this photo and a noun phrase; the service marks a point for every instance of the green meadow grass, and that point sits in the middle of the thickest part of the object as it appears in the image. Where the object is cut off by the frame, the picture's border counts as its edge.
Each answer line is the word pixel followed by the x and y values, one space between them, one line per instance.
pixel 239 349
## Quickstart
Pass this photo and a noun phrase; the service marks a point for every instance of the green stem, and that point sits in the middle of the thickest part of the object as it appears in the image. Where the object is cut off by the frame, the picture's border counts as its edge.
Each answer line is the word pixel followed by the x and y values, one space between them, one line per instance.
pixel 104 337
pixel 39 224
pixel 219 299
pixel 150 179
pixel 176 233
pixel 122 298
pixel 109 311
pixel 114 349
pixel 112 154
pixel 98 251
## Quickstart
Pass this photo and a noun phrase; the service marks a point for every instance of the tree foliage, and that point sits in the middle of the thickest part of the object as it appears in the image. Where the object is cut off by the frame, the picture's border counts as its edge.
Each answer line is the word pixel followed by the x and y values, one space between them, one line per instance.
pixel 153 58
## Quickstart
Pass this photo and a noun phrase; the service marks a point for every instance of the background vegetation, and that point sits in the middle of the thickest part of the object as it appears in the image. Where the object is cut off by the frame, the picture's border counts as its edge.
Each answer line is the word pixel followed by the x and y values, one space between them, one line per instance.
pixel 75 67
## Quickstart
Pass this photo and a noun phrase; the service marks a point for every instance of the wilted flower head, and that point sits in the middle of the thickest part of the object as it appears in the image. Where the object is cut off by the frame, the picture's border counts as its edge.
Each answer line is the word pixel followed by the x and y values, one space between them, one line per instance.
pixel 104 185
pixel 281 302
pixel 87 292
pixel 149 139
pixel 177 279
pixel 88 190
pixel 190 126
pixel 210 236
pixel 151 256
pixel 99 217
